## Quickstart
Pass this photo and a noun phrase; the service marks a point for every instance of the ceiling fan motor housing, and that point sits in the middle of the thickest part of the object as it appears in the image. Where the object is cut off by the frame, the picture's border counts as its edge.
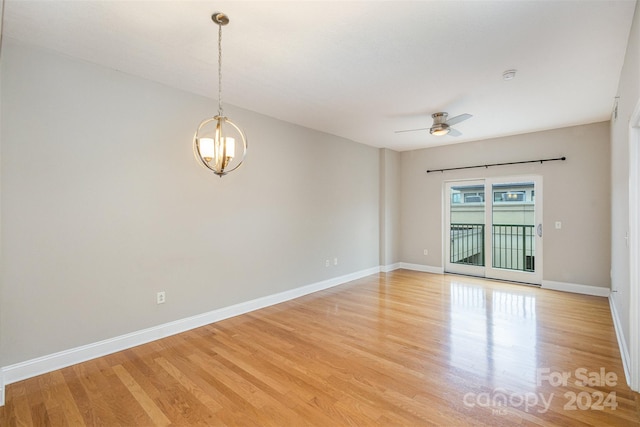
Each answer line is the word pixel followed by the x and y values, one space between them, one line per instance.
pixel 439 118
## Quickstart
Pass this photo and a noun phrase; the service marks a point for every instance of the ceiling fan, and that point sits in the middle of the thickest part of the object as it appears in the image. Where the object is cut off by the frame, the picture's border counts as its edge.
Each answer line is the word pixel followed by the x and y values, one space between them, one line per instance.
pixel 441 126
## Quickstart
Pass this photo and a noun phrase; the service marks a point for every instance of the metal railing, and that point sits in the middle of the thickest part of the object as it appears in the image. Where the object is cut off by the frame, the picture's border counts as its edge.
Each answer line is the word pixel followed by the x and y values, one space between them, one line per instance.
pixel 513 246
pixel 467 244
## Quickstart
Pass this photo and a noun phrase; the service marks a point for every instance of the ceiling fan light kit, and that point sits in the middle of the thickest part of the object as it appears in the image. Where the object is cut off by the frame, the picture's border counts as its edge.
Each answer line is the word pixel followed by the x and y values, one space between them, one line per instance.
pixel 439 128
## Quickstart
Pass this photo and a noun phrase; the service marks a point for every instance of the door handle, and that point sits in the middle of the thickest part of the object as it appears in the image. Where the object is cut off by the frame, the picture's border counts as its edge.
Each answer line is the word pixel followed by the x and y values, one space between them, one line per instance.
pixel 539 230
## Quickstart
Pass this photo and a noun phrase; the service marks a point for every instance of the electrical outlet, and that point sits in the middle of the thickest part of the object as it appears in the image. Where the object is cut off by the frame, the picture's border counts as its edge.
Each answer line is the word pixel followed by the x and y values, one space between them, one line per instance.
pixel 327 263
pixel 335 261
pixel 160 297
pixel 426 252
pixel 558 225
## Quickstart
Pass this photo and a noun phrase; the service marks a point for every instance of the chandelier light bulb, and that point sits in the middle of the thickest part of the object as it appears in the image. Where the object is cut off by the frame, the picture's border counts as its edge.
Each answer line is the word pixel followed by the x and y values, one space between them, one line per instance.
pixel 207 151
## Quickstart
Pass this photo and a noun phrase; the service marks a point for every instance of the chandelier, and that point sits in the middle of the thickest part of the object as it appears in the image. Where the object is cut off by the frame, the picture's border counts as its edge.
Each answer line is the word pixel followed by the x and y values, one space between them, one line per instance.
pixel 219 144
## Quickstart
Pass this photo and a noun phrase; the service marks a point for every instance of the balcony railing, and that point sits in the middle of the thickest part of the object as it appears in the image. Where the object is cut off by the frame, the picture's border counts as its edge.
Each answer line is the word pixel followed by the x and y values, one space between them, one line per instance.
pixel 513 246
pixel 467 244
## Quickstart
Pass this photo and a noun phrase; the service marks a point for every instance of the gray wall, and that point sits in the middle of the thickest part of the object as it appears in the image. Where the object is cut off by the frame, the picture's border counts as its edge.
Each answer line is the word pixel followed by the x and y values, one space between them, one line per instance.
pixel 103 205
pixel 576 192
pixel 389 207
pixel 629 92
pixel 1 246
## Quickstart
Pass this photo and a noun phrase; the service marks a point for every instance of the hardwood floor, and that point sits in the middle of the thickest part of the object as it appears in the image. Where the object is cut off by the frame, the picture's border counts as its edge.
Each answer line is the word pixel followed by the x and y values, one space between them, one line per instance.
pixel 402 348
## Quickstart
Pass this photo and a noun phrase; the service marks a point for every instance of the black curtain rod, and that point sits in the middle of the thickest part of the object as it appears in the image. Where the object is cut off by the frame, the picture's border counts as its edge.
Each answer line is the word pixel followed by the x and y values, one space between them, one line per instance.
pixel 498 164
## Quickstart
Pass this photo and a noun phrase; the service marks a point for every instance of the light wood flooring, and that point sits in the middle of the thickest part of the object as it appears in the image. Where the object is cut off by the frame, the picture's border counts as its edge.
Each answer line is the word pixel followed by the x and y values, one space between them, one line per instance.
pixel 397 349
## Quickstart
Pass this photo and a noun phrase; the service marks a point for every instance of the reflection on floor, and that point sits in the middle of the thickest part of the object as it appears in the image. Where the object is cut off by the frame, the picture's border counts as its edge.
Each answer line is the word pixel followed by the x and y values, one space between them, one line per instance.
pixel 494 327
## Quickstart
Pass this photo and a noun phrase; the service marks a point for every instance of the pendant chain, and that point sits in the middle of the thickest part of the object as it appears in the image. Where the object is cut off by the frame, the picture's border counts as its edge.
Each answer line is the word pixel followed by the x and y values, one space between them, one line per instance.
pixel 220 113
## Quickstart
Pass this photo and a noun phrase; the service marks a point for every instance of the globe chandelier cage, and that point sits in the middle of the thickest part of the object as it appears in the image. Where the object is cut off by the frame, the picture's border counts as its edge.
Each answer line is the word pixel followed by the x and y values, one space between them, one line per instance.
pixel 219 145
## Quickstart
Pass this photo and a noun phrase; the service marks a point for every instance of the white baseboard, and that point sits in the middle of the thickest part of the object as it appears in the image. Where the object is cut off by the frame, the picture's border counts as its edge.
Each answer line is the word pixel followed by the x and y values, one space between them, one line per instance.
pixel 576 288
pixel 421 267
pixel 622 343
pixel 30 368
pixel 390 267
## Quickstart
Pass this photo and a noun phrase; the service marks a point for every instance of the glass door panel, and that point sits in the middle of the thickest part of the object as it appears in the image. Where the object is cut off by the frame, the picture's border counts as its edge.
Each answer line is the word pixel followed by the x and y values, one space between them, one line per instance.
pixel 465 229
pixel 514 216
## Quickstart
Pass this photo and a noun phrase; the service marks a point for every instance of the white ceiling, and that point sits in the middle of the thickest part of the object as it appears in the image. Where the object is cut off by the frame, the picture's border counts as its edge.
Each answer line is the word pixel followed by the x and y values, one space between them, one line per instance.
pixel 360 69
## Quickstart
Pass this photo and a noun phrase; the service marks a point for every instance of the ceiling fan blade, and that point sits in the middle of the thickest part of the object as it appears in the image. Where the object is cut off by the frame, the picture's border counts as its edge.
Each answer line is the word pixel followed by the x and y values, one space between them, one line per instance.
pixel 410 130
pixel 454 132
pixel 458 119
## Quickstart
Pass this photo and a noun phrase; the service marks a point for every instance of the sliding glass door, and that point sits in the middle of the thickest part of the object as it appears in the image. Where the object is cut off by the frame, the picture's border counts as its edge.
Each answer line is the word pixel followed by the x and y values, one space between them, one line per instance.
pixel 493 228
